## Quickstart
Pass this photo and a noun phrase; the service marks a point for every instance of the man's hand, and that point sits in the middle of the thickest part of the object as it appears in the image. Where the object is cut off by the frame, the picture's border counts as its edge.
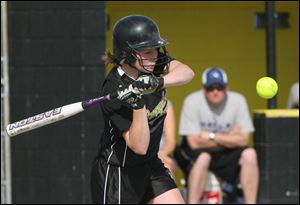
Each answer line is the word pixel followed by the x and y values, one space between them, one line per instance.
pixel 147 84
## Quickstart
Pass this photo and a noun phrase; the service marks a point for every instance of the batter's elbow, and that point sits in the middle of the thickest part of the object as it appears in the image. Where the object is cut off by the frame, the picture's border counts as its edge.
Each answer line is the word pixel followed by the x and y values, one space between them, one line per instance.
pixel 191 74
pixel 140 150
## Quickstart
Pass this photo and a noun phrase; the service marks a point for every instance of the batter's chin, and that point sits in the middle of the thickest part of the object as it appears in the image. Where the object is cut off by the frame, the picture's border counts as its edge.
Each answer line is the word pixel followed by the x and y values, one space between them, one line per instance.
pixel 148 69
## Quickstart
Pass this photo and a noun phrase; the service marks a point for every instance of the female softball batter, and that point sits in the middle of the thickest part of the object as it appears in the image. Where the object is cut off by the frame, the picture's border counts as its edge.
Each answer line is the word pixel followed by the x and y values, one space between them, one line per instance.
pixel 127 168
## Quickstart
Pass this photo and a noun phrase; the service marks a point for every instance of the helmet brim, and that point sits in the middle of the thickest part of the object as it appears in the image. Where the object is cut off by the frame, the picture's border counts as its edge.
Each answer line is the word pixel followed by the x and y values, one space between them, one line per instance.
pixel 149 45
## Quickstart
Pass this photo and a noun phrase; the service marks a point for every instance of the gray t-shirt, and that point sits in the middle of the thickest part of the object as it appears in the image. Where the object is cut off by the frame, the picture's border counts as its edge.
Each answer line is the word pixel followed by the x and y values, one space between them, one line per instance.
pixel 197 115
pixel 293 96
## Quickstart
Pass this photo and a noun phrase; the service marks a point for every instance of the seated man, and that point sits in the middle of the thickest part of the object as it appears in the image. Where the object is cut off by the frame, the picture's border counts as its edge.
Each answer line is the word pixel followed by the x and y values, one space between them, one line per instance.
pixel 293 100
pixel 215 125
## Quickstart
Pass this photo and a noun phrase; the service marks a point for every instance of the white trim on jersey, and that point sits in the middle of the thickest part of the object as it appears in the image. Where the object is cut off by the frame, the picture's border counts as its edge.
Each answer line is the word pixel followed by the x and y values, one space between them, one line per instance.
pixel 124 158
pixel 119 185
pixel 105 185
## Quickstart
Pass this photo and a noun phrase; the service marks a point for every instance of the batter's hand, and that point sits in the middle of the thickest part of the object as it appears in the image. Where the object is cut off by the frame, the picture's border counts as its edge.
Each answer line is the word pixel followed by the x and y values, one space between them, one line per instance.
pixel 147 84
pixel 130 97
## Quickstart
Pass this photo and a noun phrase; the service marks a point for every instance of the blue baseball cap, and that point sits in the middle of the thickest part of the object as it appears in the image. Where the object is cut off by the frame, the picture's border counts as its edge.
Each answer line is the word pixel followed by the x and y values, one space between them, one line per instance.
pixel 214 75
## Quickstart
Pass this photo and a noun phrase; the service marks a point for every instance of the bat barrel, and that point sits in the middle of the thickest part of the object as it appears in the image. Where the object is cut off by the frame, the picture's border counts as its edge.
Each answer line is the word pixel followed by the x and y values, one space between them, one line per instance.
pixel 43 119
pixel 54 115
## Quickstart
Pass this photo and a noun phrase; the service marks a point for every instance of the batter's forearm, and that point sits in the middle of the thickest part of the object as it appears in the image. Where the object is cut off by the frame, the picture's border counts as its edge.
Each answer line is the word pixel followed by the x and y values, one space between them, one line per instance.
pixel 138 136
pixel 179 74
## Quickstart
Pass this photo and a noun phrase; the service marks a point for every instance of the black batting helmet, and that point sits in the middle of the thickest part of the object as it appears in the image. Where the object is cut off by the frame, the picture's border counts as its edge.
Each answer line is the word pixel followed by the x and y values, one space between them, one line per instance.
pixel 133 33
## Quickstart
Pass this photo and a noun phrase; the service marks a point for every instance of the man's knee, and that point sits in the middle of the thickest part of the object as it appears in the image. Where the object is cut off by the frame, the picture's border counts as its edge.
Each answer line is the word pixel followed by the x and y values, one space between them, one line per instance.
pixel 203 160
pixel 248 156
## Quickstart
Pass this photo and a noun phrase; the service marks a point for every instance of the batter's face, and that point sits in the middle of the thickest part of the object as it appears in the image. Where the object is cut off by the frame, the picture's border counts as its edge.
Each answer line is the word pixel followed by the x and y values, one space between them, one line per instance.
pixel 146 60
pixel 215 94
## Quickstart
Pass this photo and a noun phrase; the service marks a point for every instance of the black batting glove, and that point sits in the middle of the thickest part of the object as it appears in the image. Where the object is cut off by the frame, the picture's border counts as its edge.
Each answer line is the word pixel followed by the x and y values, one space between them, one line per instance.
pixel 138 104
pixel 147 84
pixel 131 97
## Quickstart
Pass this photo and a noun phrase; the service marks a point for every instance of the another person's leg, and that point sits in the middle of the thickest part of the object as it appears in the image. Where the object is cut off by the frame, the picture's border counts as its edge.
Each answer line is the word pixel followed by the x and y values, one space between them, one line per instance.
pixel 170 164
pixel 249 175
pixel 162 188
pixel 197 178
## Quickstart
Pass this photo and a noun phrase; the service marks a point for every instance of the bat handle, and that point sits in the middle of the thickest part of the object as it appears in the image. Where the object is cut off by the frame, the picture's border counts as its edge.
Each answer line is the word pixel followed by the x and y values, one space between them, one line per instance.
pixel 95 101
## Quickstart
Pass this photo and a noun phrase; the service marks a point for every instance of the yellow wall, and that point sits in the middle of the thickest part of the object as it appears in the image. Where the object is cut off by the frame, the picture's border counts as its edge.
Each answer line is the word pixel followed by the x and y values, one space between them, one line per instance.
pixel 204 34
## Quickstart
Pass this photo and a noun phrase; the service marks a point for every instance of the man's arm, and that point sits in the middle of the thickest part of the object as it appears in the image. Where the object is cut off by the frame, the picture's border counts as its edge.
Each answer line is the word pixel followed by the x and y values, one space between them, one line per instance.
pixel 200 141
pixel 234 138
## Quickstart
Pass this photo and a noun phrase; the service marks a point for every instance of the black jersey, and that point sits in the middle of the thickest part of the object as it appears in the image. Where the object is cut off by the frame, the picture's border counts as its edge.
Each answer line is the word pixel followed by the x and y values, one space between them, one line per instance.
pixel 117 117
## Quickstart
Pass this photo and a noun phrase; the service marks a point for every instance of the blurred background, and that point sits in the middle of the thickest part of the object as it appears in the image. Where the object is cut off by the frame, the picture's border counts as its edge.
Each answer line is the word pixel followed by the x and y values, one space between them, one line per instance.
pixel 51 55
